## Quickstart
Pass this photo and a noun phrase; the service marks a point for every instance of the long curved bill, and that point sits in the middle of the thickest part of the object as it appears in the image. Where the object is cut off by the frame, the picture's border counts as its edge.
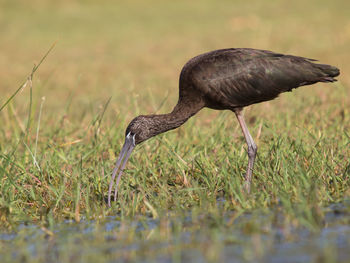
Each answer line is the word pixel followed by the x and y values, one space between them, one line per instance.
pixel 128 146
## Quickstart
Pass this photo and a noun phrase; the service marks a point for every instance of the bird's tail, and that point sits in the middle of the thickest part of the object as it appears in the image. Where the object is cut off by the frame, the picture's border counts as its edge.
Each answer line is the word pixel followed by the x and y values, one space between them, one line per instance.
pixel 329 72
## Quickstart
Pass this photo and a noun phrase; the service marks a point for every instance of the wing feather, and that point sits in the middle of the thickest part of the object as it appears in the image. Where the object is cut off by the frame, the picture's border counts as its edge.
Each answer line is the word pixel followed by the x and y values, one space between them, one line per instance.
pixel 232 78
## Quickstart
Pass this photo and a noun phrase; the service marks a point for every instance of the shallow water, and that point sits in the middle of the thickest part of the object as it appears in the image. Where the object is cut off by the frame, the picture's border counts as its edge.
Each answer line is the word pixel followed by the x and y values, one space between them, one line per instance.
pixel 264 236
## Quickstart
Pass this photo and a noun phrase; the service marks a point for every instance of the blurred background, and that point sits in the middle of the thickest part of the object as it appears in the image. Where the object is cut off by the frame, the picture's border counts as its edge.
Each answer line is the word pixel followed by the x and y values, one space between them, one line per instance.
pixel 134 50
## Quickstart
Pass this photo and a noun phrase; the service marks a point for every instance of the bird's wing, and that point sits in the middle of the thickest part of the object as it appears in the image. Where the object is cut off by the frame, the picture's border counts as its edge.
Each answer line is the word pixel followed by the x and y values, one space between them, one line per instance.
pixel 240 77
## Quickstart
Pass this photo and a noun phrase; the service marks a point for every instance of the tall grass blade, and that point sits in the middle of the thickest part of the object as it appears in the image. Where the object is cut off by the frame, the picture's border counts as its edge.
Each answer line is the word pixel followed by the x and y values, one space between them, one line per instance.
pixel 29 79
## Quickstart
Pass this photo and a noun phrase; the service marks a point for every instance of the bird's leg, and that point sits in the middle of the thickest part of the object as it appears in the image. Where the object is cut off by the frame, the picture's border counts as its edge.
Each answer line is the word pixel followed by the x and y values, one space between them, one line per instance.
pixel 252 148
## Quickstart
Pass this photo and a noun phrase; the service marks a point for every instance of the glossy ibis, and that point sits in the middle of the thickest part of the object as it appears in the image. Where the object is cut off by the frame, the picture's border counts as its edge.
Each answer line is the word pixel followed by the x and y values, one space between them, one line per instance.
pixel 226 79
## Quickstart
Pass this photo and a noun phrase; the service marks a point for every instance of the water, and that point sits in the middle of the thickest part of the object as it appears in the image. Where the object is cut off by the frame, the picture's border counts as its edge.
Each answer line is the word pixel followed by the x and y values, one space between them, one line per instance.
pixel 260 236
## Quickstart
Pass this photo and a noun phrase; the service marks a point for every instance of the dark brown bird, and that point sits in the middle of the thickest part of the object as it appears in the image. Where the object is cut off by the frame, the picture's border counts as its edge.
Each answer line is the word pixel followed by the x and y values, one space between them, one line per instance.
pixel 226 79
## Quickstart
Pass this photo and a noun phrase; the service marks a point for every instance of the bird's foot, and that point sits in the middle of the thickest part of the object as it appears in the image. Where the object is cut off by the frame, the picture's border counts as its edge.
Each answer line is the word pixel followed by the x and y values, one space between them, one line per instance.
pixel 247 183
pixel 247 187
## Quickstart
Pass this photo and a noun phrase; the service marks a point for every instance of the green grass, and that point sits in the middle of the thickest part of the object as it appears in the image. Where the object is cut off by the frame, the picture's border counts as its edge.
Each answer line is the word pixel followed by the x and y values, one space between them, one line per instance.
pixel 112 61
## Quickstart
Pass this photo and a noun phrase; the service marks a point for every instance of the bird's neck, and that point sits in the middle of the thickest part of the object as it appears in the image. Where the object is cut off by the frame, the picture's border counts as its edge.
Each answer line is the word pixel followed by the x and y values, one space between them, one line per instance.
pixel 180 114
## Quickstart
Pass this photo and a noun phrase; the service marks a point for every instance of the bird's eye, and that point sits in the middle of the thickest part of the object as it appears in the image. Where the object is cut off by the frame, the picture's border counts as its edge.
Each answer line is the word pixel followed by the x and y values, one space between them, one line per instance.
pixel 128 132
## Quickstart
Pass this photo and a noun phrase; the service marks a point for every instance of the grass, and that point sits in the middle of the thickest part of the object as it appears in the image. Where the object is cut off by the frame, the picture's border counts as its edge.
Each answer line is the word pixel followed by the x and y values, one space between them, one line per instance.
pixel 112 61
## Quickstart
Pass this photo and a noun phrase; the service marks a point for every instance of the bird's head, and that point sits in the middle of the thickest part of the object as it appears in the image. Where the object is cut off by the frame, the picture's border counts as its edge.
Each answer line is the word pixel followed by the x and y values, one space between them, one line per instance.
pixel 137 131
pixel 141 128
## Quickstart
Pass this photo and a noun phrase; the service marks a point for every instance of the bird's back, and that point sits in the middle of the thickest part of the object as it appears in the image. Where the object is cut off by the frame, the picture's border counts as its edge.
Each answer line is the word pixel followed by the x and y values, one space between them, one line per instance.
pixel 231 78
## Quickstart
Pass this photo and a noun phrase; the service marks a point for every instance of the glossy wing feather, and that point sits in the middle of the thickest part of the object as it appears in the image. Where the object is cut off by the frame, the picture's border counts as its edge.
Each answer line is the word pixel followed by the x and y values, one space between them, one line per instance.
pixel 233 78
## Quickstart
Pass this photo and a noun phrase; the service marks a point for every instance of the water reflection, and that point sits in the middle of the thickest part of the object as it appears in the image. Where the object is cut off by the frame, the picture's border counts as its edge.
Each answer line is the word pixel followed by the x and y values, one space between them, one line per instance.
pixel 263 236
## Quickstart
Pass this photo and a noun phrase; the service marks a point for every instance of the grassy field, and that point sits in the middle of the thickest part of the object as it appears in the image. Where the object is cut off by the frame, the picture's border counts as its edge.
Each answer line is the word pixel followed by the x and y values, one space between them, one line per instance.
pixel 60 136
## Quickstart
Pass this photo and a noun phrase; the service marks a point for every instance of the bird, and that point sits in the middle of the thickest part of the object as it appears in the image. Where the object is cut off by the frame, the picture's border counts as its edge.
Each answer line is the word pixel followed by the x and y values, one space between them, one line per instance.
pixel 225 79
